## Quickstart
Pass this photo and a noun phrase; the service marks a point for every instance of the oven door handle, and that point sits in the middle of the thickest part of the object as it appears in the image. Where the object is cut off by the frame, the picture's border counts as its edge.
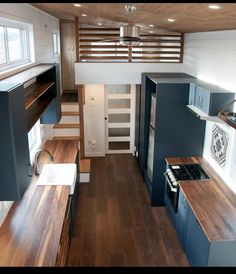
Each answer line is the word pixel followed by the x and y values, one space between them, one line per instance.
pixel 173 189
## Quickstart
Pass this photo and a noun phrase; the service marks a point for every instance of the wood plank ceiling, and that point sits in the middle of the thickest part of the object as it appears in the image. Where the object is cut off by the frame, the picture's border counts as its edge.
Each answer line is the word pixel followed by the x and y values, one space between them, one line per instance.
pixel 189 17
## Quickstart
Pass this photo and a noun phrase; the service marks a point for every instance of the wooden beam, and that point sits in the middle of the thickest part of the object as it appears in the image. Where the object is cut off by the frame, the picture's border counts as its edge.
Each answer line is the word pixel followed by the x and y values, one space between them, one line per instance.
pixel 81 96
pixel 77 25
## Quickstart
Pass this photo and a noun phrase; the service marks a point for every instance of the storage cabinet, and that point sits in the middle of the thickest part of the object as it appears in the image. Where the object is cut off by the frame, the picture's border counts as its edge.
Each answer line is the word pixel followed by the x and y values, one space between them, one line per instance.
pixel 15 168
pixel 172 137
pixel 68 55
pixel 209 98
pixel 197 245
pixel 182 219
pixel 24 98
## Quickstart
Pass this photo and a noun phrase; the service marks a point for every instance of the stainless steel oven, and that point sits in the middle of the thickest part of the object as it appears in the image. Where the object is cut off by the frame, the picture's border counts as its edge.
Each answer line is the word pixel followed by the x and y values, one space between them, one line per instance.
pixel 172 189
pixel 184 172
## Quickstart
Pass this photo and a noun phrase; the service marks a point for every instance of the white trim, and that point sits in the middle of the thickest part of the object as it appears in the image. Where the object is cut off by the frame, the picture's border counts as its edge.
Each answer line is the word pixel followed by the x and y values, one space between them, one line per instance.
pixel 119 110
pixel 120 96
pixel 119 125
pixel 119 139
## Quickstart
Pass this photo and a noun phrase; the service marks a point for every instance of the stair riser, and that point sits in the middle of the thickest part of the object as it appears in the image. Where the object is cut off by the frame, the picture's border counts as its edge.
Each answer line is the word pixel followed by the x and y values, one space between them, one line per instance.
pixel 66 132
pixel 67 107
pixel 69 120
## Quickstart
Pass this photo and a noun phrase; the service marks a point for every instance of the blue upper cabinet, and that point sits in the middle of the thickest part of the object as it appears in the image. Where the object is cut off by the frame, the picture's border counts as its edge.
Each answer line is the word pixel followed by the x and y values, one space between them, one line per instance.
pixel 15 168
pixel 209 98
pixel 25 98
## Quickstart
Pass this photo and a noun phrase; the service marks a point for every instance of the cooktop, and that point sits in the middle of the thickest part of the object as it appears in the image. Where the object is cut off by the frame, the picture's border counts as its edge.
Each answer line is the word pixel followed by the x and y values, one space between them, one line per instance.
pixel 188 172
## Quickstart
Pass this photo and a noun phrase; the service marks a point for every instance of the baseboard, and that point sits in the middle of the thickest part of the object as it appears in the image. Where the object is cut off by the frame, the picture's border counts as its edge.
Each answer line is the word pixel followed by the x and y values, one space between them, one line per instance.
pixel 96 154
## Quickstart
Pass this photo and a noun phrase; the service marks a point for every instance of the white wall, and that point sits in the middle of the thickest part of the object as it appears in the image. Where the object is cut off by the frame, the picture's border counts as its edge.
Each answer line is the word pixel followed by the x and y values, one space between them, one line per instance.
pixel 211 56
pixel 94 124
pixel 43 43
pixel 118 73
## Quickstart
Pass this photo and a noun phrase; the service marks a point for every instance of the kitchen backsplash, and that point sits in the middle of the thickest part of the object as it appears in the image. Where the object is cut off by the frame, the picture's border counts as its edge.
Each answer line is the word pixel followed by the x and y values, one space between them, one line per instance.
pixel 219 147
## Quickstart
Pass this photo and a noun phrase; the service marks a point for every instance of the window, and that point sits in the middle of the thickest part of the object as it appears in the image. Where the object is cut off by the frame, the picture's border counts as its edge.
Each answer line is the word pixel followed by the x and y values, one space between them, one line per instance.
pixel 34 139
pixel 56 43
pixel 14 43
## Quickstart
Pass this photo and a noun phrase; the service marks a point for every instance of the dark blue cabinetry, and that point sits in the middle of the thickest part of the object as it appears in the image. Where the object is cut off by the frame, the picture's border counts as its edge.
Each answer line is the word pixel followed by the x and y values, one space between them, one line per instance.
pixel 208 98
pixel 182 219
pixel 15 168
pixel 20 109
pixel 177 132
pixel 197 245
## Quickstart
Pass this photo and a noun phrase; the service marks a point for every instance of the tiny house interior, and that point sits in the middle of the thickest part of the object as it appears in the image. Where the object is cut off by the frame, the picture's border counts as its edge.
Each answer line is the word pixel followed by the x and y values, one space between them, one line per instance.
pixel 118 134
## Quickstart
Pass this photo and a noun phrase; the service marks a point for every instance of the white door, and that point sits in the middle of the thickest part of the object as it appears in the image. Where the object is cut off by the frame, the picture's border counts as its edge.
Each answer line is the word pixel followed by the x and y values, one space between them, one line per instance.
pixel 120 118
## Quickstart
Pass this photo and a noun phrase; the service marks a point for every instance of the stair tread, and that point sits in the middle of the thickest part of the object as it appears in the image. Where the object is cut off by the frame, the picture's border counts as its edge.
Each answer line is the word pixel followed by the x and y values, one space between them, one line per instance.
pixel 66 138
pixel 66 126
pixel 84 165
pixel 70 113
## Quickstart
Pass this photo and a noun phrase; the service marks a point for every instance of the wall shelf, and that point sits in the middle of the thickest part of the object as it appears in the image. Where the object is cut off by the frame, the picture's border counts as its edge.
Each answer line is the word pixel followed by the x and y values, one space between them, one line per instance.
pixel 34 91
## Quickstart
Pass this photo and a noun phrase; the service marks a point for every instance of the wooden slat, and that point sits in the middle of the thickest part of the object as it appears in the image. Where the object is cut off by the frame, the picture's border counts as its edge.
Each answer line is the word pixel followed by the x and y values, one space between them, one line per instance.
pixel 98 39
pixel 182 48
pixel 85 165
pixel 66 126
pixel 105 35
pixel 76 138
pixel 104 57
pixel 155 52
pixel 98 29
pixel 70 113
pixel 103 52
pixel 155 57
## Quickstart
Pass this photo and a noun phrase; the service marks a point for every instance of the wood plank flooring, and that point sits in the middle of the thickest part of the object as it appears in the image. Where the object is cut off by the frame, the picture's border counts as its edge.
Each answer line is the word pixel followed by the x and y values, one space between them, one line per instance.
pixel 115 224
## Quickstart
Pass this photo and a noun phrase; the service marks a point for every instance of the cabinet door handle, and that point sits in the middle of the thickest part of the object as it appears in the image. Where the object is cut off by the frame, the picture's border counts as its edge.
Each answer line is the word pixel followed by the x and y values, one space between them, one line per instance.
pixel 29 170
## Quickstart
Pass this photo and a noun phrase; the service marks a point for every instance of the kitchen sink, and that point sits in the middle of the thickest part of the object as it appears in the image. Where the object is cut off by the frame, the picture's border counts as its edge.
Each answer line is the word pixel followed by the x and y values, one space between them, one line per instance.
pixel 58 174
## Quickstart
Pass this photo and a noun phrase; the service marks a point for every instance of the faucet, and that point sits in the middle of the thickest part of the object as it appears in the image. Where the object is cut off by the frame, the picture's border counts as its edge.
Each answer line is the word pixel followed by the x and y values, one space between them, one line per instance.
pixel 36 171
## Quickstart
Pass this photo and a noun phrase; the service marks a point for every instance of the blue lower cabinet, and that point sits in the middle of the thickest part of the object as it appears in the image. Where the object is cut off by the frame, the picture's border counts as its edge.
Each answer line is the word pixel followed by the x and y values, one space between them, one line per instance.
pixel 182 220
pixel 197 245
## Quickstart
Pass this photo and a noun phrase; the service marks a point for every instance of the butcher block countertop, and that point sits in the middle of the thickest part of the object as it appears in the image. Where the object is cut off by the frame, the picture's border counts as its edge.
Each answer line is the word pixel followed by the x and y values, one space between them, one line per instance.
pixel 212 202
pixel 30 234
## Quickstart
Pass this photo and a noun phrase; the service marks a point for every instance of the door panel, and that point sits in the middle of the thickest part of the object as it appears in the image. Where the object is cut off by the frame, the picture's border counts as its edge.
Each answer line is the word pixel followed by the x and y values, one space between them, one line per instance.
pixel 120 113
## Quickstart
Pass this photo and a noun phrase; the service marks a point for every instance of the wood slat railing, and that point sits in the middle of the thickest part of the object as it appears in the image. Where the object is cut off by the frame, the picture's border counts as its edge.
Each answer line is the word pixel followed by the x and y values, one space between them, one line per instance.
pixel 98 44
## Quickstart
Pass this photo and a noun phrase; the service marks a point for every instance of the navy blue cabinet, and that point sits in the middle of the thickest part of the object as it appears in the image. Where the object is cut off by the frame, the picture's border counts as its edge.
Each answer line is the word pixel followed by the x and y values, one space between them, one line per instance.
pixel 197 245
pixel 15 168
pixel 25 98
pixel 177 132
pixel 208 98
pixel 182 219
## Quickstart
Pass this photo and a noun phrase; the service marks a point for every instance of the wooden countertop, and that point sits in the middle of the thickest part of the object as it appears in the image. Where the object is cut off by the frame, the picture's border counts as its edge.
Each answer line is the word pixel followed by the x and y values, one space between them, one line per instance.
pixel 212 202
pixel 30 234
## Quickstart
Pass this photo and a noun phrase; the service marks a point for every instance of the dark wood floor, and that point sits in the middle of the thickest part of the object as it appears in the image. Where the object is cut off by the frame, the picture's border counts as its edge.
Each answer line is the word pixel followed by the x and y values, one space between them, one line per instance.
pixel 115 224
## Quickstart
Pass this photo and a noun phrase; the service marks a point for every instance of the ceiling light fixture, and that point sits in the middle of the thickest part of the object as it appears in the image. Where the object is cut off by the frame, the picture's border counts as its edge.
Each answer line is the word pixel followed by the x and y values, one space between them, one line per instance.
pixel 151 25
pixel 214 7
pixel 77 5
pixel 99 24
pixel 150 31
pixel 171 20
pixel 84 15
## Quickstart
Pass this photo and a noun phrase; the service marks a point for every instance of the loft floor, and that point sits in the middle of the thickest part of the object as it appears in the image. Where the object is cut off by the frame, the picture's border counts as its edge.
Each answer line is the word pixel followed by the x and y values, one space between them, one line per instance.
pixel 115 224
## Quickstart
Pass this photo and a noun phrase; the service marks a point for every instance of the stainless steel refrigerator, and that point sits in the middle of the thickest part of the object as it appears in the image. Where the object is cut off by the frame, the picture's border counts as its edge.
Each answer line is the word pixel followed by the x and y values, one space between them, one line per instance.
pixel 151 138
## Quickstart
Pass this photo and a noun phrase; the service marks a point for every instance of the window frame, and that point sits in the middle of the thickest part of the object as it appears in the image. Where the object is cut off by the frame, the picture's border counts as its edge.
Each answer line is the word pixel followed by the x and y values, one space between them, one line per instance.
pixel 25 32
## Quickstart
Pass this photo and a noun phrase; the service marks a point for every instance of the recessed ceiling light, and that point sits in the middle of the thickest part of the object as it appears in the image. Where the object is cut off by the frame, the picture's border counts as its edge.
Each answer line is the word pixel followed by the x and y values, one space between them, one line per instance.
pixel 99 24
pixel 151 31
pixel 77 5
pixel 84 14
pixel 151 25
pixel 171 20
pixel 214 7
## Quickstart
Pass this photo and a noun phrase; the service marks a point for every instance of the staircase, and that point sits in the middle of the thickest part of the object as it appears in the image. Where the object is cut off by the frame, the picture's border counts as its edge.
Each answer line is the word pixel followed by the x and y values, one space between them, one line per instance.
pixel 69 129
